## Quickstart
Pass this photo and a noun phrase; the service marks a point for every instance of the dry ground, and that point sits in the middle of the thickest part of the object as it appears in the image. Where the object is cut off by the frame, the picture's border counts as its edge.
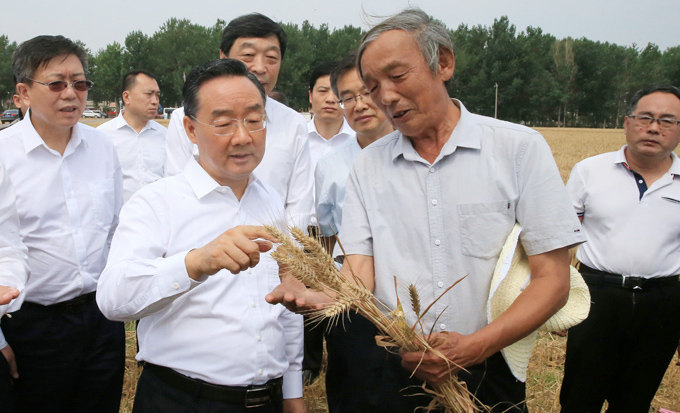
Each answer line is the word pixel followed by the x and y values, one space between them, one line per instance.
pixel 546 368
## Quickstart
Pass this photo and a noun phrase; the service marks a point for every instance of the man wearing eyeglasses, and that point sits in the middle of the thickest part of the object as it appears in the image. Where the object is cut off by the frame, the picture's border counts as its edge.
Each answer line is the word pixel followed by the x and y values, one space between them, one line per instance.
pixel 68 188
pixel 629 205
pixel 187 260
pixel 139 140
pixel 260 43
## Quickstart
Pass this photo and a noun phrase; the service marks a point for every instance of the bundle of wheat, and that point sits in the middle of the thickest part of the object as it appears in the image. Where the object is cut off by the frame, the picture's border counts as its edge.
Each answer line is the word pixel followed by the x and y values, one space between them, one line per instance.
pixel 307 261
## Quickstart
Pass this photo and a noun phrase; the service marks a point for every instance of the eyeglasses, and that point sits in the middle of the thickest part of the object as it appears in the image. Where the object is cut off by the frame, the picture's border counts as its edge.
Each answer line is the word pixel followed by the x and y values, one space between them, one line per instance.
pixel 664 123
pixel 349 102
pixel 61 85
pixel 224 127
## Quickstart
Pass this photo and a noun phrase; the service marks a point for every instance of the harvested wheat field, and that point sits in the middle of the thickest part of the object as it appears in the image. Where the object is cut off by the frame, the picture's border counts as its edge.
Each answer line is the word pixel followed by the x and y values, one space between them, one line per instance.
pixel 546 367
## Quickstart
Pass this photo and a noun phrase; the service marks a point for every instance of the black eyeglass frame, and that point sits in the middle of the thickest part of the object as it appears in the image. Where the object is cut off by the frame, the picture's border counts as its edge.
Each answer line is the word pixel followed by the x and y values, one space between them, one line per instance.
pixel 646 120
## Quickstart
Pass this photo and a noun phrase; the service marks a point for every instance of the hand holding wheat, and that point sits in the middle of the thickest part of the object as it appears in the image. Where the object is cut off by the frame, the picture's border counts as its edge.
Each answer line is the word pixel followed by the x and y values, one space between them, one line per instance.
pixel 316 275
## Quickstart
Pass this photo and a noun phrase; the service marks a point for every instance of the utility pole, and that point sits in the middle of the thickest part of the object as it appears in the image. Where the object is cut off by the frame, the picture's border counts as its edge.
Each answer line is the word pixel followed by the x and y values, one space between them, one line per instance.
pixel 495 110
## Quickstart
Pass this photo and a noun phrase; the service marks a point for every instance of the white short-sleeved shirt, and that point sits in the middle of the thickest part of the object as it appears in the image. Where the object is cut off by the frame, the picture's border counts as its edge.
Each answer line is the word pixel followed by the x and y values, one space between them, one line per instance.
pixel 68 207
pixel 220 330
pixel 432 224
pixel 286 165
pixel 627 234
pixel 141 155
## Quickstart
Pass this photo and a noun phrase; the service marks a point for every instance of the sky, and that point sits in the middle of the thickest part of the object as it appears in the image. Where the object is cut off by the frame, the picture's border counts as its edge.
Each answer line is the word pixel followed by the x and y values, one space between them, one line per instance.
pixel 99 23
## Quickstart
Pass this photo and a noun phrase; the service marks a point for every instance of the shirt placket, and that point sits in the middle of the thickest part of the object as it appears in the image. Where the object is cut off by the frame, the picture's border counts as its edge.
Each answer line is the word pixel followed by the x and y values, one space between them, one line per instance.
pixel 73 212
pixel 256 313
pixel 437 244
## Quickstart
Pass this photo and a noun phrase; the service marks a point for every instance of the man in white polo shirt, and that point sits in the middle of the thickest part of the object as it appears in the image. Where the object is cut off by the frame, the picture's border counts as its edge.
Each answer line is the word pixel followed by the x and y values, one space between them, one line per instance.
pixel 68 188
pixel 629 205
pixel 260 43
pixel 186 260
pixel 139 140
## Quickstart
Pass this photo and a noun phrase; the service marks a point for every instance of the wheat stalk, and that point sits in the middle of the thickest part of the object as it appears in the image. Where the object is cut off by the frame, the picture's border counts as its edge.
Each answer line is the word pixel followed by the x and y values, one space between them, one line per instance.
pixel 314 267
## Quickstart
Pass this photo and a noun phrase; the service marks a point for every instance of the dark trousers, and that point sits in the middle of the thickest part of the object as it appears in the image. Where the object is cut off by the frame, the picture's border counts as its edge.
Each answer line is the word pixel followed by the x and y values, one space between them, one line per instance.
pixel 68 360
pixel 313 346
pixel 155 396
pixel 622 350
pixel 363 377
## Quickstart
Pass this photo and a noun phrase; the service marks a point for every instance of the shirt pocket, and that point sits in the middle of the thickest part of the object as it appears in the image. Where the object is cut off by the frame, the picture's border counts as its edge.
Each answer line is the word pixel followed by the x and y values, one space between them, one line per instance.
pixel 484 227
pixel 103 200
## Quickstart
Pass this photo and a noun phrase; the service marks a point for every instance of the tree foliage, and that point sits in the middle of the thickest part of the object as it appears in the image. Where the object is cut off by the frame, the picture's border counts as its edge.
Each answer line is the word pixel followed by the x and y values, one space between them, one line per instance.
pixel 539 80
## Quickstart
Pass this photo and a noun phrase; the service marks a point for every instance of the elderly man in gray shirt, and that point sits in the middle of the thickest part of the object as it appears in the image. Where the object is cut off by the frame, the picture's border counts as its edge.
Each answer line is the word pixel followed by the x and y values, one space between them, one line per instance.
pixel 436 200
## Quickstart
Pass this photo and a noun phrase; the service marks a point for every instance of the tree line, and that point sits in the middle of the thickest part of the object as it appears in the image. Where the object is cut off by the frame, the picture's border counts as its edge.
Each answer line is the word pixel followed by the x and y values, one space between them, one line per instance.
pixel 538 79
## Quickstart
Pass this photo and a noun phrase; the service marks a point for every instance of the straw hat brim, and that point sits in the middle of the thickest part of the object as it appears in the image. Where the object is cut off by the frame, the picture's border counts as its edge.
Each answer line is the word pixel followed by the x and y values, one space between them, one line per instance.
pixel 511 276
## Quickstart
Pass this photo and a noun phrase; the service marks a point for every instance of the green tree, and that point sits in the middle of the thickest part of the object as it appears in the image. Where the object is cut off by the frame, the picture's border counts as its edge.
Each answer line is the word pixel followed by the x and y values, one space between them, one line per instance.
pixel 7 86
pixel 106 70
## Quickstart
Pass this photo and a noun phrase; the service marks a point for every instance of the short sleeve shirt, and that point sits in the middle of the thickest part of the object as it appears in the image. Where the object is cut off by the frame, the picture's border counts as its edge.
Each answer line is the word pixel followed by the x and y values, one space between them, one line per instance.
pixel 432 224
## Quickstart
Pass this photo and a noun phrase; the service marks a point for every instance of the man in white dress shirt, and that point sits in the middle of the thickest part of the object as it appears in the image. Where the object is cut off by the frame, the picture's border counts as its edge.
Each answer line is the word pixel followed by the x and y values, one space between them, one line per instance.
pixel 629 204
pixel 13 276
pixel 68 189
pixel 327 129
pixel 260 43
pixel 139 140
pixel 186 260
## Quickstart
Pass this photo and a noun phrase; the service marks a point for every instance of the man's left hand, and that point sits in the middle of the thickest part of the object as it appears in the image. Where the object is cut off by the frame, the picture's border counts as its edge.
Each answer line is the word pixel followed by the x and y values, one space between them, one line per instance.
pixel 460 351
pixel 7 294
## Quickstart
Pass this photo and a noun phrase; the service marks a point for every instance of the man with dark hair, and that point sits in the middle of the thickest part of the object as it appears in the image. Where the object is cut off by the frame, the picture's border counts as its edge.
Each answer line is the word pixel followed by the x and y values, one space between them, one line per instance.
pixel 628 202
pixel 139 140
pixel 208 339
pixel 434 202
pixel 327 129
pixel 68 188
pixel 260 43
pixel 354 375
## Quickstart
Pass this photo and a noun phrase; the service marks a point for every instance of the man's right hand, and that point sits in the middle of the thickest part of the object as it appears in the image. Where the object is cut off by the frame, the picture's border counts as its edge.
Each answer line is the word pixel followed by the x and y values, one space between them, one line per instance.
pixel 235 250
pixel 8 353
pixel 7 294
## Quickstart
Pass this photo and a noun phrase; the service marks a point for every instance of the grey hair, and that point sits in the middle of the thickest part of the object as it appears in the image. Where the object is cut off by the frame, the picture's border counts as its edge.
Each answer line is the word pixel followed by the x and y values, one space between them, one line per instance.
pixel 430 35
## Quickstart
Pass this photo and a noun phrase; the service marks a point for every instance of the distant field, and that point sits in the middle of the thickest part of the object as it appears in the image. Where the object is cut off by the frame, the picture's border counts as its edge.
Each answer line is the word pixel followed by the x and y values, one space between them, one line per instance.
pixel 546 368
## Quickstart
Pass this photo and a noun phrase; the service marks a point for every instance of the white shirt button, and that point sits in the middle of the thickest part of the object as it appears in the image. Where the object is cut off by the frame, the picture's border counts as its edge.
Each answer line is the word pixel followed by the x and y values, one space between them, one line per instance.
pixel 250 270
pixel 223 190
pixel 254 304
pixel 437 242
pixel 442 327
pixel 259 338
pixel 431 170
pixel 434 202
pixel 175 286
pixel 260 372
pixel 641 181
pixel 440 284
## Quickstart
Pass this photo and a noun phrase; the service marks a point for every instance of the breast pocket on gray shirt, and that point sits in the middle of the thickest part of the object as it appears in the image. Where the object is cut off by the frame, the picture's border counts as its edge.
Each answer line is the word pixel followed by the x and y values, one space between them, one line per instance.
pixel 484 227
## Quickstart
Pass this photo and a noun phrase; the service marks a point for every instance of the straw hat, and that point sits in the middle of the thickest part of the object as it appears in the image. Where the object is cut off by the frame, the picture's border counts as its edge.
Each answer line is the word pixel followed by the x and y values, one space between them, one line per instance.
pixel 510 277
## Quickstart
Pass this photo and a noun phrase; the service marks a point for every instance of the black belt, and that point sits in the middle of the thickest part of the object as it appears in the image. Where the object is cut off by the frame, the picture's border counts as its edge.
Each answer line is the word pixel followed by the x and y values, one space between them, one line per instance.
pixel 251 396
pixel 67 305
pixel 597 277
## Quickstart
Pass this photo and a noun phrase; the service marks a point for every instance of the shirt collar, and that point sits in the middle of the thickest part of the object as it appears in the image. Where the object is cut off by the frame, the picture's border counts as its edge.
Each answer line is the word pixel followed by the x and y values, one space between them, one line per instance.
pixel 620 157
pixel 121 123
pixel 202 183
pixel 465 134
pixel 32 138
pixel 344 129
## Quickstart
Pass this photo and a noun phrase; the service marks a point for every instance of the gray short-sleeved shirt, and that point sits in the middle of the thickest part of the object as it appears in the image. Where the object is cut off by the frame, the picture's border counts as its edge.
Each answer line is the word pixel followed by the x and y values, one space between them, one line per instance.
pixel 431 224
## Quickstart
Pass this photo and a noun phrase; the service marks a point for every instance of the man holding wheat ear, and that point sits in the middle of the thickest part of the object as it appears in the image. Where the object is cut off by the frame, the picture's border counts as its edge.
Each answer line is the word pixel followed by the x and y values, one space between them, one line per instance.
pixel 435 202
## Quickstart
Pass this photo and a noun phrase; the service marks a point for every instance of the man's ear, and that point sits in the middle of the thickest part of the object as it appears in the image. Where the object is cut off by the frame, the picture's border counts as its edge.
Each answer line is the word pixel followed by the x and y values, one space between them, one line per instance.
pixel 190 128
pixel 126 98
pixel 222 55
pixel 447 64
pixel 24 95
